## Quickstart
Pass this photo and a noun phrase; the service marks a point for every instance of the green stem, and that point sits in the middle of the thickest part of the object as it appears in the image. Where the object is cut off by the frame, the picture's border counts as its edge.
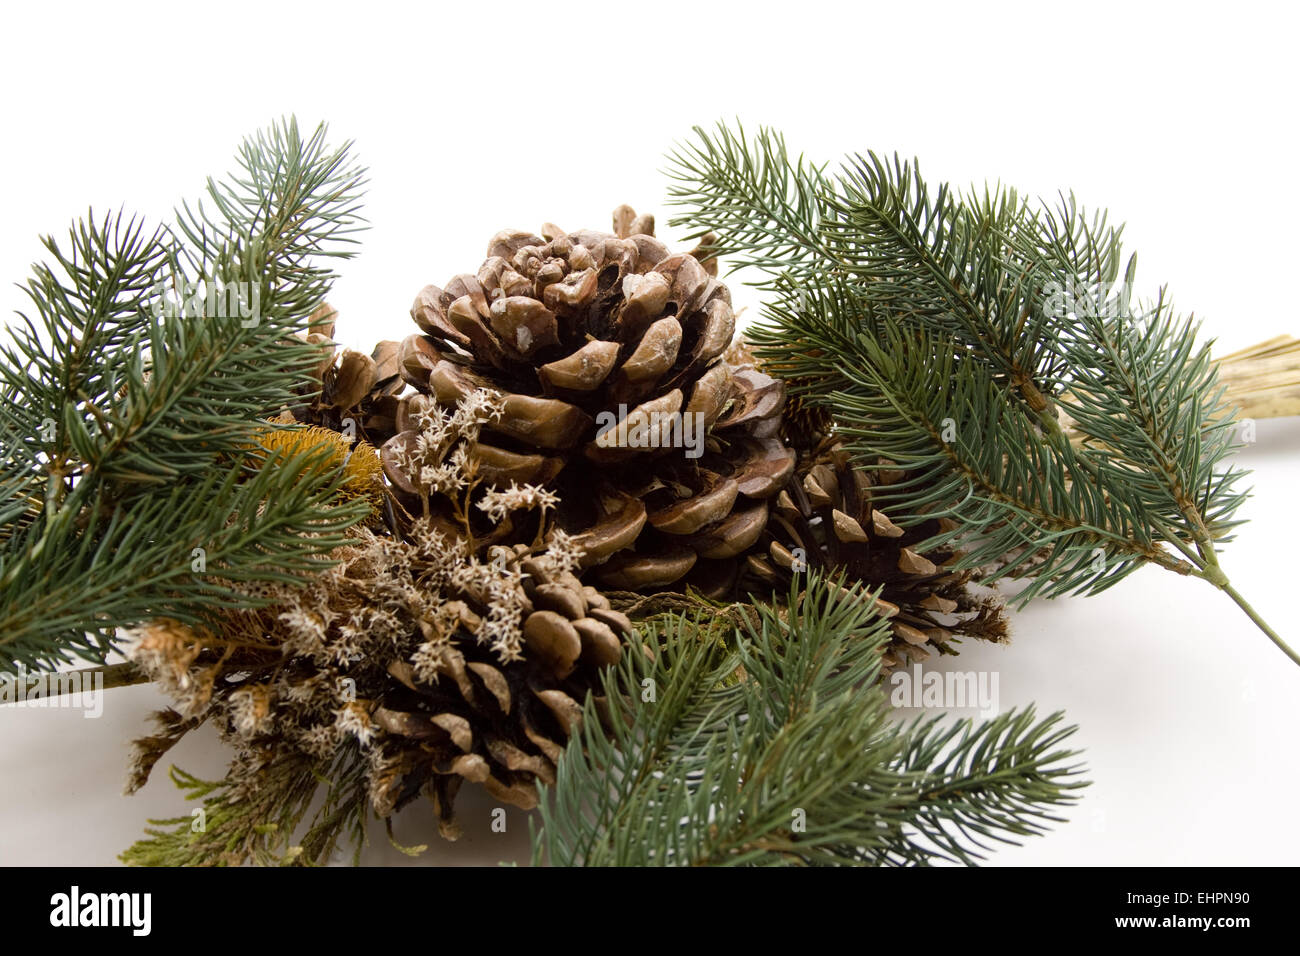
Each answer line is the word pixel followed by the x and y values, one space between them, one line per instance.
pixel 1273 636
pixel 1211 571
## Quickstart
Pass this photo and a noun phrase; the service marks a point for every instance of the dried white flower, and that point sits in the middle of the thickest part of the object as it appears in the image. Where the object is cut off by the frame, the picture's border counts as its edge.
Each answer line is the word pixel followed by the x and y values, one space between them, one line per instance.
pixel 496 503
pixel 353 719
pixel 386 609
pixel 250 710
pixel 502 631
pixel 430 417
pixel 429 659
pixel 475 410
pixel 445 479
pixel 563 553
pixel 320 740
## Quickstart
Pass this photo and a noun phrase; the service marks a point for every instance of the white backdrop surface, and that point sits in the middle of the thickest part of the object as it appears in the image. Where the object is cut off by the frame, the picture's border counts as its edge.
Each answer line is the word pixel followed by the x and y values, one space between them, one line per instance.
pixel 1180 118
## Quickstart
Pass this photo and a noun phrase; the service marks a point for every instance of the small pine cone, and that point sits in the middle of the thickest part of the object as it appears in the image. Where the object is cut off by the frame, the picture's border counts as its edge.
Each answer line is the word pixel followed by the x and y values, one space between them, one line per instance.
pixel 824 519
pixel 356 394
pixel 608 352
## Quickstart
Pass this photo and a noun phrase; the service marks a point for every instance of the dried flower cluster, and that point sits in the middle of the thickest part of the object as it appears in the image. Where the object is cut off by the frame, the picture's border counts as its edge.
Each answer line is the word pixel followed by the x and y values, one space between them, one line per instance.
pixel 434 658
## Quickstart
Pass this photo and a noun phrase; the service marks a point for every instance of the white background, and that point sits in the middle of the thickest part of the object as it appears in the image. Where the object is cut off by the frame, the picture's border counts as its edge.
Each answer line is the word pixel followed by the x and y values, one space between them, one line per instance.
pixel 1179 118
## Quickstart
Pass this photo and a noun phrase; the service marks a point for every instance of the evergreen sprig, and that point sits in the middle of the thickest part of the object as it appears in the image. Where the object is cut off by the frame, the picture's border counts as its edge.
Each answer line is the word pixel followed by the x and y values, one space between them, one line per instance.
pixel 131 481
pixel 954 337
pixel 797 762
pixel 264 821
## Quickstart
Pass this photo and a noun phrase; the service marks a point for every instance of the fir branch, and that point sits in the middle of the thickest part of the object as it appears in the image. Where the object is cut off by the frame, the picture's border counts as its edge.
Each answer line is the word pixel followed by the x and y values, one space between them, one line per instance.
pixel 982 781
pixel 949 334
pixel 1010 491
pixel 797 762
pixel 294 202
pixel 177 553
pixel 132 400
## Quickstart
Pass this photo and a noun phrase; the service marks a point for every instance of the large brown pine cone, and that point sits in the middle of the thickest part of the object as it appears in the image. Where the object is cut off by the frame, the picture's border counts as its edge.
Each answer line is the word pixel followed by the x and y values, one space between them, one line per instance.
pixel 609 353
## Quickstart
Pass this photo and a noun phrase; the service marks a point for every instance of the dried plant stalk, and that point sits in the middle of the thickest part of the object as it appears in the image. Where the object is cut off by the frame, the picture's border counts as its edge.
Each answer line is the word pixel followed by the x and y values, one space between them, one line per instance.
pixel 1263 381
pixel 1260 381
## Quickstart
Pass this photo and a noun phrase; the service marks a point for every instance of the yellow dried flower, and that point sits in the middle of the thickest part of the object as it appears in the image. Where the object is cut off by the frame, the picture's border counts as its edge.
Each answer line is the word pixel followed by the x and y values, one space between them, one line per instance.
pixel 363 473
